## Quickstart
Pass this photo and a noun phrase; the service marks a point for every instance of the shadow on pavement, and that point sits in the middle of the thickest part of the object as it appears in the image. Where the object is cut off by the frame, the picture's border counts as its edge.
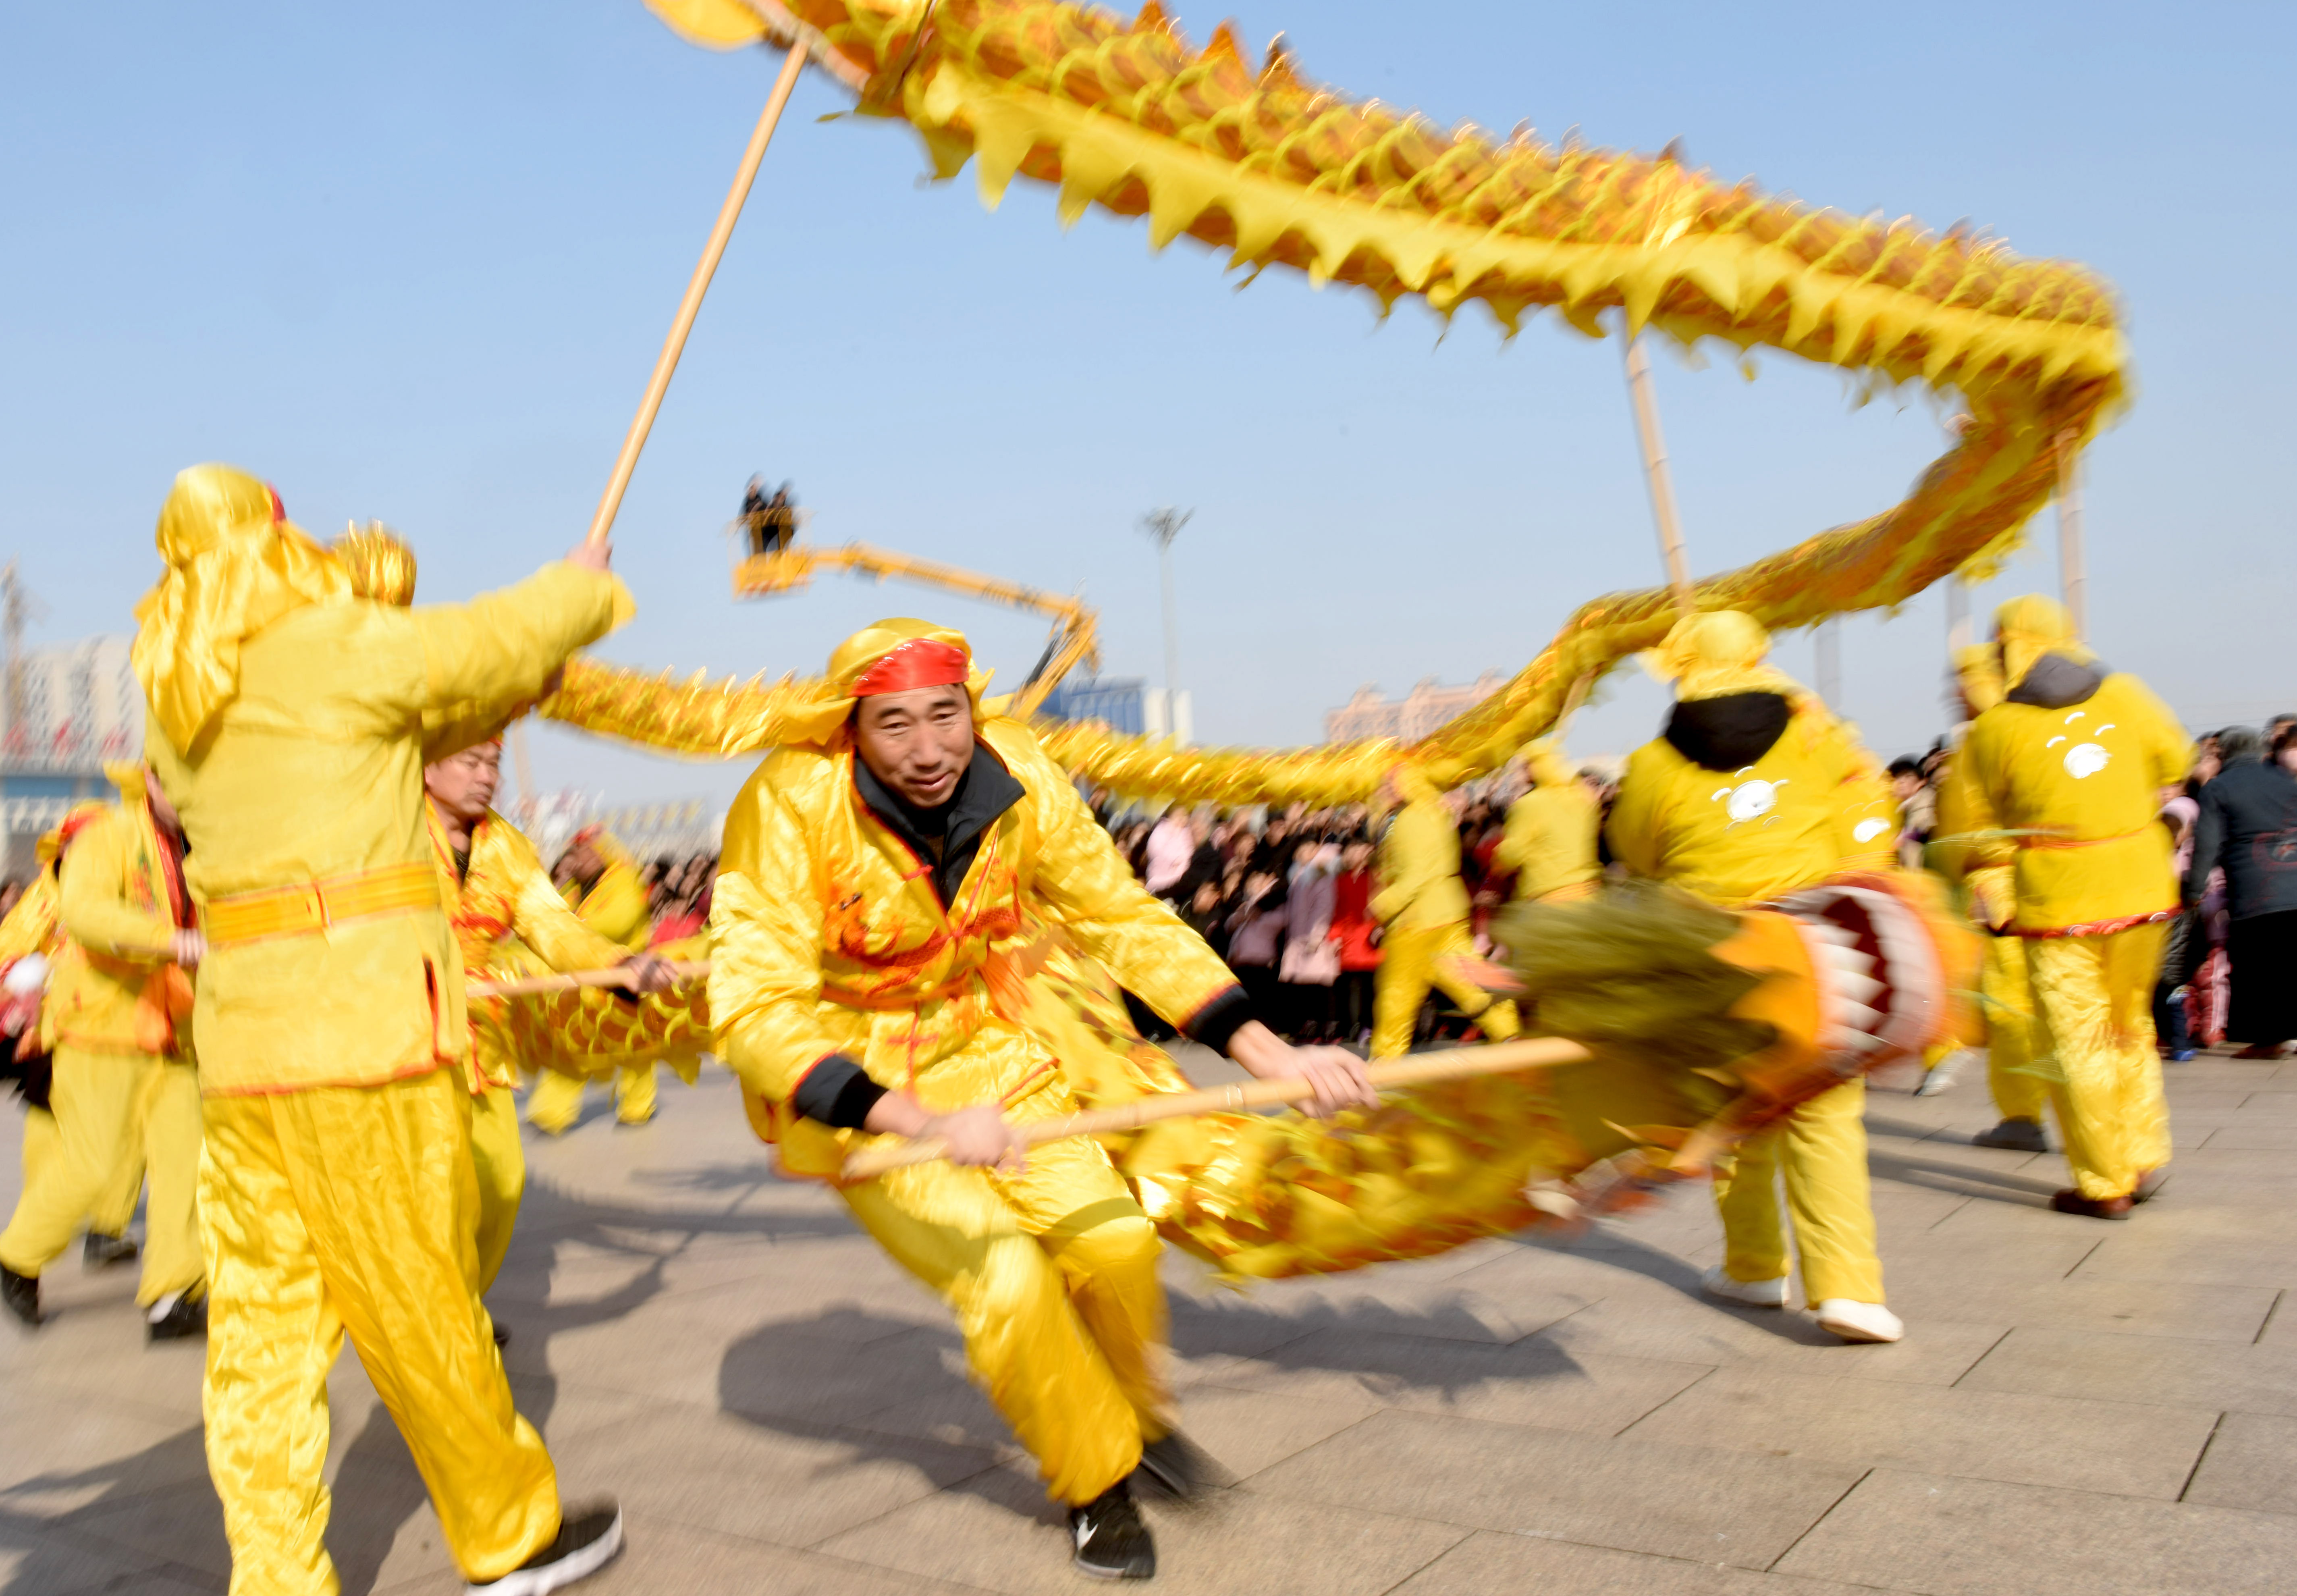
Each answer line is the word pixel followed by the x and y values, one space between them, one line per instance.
pixel 46 1563
pixel 1961 1179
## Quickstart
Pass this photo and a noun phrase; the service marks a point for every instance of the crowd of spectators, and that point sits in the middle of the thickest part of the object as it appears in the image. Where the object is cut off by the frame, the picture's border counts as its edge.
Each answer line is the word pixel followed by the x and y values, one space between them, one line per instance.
pixel 1284 896
pixel 678 895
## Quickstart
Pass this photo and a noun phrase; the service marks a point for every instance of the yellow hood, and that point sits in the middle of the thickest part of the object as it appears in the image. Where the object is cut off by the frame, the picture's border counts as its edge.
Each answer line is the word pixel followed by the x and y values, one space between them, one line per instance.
pixel 234 564
pixel 2029 626
pixel 832 698
pixel 1718 652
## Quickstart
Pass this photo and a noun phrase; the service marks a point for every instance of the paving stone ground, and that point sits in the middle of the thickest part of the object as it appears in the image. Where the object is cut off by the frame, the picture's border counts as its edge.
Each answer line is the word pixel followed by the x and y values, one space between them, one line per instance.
pixel 2079 1409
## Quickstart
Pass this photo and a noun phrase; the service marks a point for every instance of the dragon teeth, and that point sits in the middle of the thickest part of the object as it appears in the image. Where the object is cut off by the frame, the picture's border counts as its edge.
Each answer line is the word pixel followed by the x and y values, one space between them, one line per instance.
pixel 1858 988
pixel 1842 1011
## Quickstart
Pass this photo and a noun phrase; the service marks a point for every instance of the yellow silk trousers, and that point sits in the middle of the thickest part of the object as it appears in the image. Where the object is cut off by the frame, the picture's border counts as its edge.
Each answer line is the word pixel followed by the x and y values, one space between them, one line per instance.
pixel 498 1159
pixel 556 1103
pixel 2094 1013
pixel 1411 962
pixel 114 1208
pixel 113 1115
pixel 1052 1276
pixel 634 1093
pixel 1821 1151
pixel 352 1210
pixel 2007 996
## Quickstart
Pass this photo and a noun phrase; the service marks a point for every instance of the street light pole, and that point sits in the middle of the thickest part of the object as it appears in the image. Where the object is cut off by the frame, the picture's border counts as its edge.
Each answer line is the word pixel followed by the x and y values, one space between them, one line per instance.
pixel 1165 525
pixel 1173 719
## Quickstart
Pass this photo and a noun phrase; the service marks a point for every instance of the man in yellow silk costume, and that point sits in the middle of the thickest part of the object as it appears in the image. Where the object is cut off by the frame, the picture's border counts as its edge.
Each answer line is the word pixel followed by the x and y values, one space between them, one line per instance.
pixel 878 873
pixel 603 884
pixel 1551 830
pixel 124 1095
pixel 1988 892
pixel 510 920
pixel 336 1188
pixel 1753 791
pixel 2069 768
pixel 34 927
pixel 502 904
pixel 1422 909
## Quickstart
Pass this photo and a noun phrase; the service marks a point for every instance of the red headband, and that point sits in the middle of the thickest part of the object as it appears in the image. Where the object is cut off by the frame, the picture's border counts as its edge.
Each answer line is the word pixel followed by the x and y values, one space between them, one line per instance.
pixel 919 662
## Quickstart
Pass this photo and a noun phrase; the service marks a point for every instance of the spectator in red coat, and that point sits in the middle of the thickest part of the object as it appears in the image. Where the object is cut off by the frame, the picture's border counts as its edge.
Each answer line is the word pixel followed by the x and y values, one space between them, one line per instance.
pixel 1358 936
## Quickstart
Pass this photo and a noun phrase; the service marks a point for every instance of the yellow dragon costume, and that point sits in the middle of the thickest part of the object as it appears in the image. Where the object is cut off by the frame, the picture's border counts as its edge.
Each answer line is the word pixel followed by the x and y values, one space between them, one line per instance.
pixel 1989 895
pixel 1757 797
pixel 125 1095
pixel 847 962
pixel 2065 778
pixel 34 926
pixel 336 1191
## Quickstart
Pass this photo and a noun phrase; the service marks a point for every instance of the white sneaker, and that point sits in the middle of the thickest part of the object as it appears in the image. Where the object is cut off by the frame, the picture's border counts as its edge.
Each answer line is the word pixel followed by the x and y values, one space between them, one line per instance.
pixel 1859 1321
pixel 1747 1293
pixel 1940 1079
pixel 587 1539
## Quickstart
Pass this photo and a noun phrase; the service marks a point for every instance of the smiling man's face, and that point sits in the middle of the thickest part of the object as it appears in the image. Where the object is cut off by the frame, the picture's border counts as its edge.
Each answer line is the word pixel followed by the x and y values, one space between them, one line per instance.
pixel 917 743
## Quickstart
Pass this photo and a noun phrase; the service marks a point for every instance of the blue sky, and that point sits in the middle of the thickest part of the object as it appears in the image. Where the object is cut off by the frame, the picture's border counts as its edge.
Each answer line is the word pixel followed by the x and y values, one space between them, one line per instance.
pixel 413 262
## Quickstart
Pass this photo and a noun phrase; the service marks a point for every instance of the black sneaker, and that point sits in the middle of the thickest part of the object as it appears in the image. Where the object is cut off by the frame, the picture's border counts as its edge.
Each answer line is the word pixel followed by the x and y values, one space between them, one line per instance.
pixel 100 1250
pixel 2017 1135
pixel 22 1293
pixel 186 1316
pixel 589 1539
pixel 1111 1541
pixel 1181 1468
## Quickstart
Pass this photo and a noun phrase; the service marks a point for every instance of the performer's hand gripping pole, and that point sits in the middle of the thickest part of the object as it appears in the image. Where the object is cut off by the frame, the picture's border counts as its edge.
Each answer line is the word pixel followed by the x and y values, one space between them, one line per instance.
pixel 534 986
pixel 674 345
pixel 1454 1063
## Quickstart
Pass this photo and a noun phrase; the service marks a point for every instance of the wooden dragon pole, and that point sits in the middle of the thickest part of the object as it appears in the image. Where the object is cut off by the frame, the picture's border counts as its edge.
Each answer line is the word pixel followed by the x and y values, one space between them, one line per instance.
pixel 603 522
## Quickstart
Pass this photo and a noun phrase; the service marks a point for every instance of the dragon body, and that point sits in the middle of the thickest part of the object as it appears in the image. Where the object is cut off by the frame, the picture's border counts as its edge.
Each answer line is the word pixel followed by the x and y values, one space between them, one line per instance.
pixel 1279 172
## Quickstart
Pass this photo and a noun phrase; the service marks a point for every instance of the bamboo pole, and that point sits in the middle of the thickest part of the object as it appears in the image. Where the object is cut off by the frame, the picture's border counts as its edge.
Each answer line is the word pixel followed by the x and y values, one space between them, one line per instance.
pixel 1454 1063
pixel 535 986
pixel 673 346
pixel 2074 575
pixel 1655 473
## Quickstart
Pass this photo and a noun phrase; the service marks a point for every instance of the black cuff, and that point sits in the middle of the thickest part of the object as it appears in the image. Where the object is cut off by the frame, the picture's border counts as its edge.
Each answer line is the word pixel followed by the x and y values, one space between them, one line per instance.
pixel 835 1092
pixel 1220 1019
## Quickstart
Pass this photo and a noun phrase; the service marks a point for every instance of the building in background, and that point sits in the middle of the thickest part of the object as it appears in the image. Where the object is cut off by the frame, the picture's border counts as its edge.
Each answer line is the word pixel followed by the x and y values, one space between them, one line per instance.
pixel 666 828
pixel 67 711
pixel 1117 700
pixel 1410 718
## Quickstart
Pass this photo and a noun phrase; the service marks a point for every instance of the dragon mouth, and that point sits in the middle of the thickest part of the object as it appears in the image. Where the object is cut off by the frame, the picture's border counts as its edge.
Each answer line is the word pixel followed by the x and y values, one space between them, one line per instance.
pixel 1881 984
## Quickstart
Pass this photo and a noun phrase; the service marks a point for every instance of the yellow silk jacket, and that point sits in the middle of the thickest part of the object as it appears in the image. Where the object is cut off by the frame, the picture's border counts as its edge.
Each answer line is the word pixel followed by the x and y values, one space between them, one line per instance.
pixel 1551 840
pixel 1746 836
pixel 1980 870
pixel 615 908
pixel 2075 795
pixel 1420 862
pixel 32 925
pixel 508 920
pixel 1867 818
pixel 114 986
pixel 827 937
pixel 314 771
